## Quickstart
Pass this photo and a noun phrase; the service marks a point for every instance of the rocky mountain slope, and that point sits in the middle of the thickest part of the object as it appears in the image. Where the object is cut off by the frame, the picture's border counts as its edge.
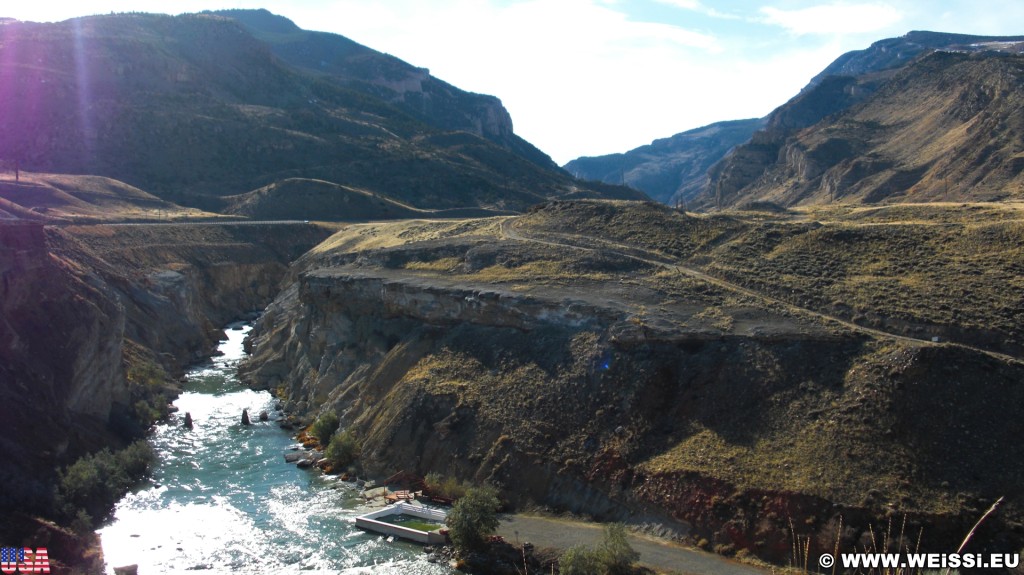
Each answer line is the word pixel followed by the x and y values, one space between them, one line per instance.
pixel 670 170
pixel 194 107
pixel 896 52
pixel 613 359
pixel 411 89
pixel 897 90
pixel 751 161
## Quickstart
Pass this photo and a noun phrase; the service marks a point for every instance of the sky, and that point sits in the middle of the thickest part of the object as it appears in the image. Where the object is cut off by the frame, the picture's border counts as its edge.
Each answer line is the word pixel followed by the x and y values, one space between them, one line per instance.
pixel 592 77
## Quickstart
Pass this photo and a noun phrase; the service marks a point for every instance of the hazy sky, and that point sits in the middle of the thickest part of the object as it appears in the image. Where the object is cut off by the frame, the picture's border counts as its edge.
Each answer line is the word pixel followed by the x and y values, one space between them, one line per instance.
pixel 590 77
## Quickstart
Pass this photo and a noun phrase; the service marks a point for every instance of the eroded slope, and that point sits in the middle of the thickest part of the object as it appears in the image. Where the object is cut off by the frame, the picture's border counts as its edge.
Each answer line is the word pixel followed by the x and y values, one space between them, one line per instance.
pixel 591 356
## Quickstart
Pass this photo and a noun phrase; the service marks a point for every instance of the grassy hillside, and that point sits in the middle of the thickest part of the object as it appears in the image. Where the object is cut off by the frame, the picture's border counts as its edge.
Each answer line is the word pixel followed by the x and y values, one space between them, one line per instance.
pixel 67 198
pixel 912 269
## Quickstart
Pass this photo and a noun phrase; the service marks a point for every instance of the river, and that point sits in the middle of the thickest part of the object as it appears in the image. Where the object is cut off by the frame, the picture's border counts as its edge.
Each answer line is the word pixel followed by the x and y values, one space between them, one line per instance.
pixel 221 498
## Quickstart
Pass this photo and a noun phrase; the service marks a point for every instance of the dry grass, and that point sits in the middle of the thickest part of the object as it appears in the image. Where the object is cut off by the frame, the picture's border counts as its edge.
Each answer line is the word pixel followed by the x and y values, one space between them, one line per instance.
pixel 374 236
pixel 90 199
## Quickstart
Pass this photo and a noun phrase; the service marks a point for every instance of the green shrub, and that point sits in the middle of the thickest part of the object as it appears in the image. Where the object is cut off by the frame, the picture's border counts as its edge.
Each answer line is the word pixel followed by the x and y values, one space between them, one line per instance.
pixel 615 552
pixel 324 427
pixel 90 486
pixel 343 450
pixel 432 482
pixel 473 518
pixel 579 560
pixel 82 523
pixel 613 556
pixel 447 487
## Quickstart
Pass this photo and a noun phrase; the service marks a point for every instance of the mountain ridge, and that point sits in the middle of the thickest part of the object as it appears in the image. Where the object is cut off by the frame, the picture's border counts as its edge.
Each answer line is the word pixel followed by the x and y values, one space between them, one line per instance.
pixel 411 88
pixel 733 172
pixel 194 107
pixel 943 128
pixel 746 174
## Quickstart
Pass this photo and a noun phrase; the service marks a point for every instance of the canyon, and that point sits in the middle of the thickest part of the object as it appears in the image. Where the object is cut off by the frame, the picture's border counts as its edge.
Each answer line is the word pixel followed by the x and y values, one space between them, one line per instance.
pixel 830 351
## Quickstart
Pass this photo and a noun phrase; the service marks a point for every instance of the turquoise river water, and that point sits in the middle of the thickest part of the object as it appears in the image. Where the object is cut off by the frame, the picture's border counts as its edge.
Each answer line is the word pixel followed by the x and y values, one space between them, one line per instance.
pixel 222 499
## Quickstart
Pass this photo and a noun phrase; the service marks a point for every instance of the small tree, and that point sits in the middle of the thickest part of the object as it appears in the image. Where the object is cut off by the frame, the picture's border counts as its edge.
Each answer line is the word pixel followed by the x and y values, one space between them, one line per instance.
pixel 343 450
pixel 324 427
pixel 473 518
pixel 615 551
pixel 579 560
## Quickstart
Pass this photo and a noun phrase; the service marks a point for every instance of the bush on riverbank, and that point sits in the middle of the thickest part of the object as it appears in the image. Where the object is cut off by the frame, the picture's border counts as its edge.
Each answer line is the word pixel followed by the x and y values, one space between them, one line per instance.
pixel 91 486
pixel 324 427
pixel 147 397
pixel 473 518
pixel 343 449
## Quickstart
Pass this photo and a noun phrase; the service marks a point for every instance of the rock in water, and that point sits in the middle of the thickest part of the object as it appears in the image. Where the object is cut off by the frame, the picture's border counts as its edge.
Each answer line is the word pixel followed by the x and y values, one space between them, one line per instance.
pixel 245 417
pixel 264 416
pixel 127 570
pixel 188 420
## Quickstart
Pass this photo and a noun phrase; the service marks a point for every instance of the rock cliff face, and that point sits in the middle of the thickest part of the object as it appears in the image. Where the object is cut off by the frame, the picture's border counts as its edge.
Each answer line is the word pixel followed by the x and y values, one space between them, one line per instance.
pixel 412 89
pixel 60 361
pixel 942 129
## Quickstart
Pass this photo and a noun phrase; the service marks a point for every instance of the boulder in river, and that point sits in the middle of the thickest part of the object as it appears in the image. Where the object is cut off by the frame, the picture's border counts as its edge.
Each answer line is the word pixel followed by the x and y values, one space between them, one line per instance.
pixel 245 417
pixel 264 416
pixel 188 420
pixel 127 570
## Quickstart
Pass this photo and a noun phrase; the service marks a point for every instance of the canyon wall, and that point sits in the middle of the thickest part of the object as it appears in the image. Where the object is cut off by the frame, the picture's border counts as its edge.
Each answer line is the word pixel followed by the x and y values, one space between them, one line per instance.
pixel 90 315
pixel 580 407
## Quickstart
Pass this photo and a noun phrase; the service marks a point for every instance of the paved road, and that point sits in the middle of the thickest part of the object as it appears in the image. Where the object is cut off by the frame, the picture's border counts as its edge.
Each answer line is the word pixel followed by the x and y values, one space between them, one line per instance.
pixel 664 555
pixel 509 231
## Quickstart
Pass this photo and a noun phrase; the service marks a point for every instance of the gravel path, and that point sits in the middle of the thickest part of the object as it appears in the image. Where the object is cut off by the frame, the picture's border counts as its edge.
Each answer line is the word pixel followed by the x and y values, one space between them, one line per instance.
pixel 562 534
